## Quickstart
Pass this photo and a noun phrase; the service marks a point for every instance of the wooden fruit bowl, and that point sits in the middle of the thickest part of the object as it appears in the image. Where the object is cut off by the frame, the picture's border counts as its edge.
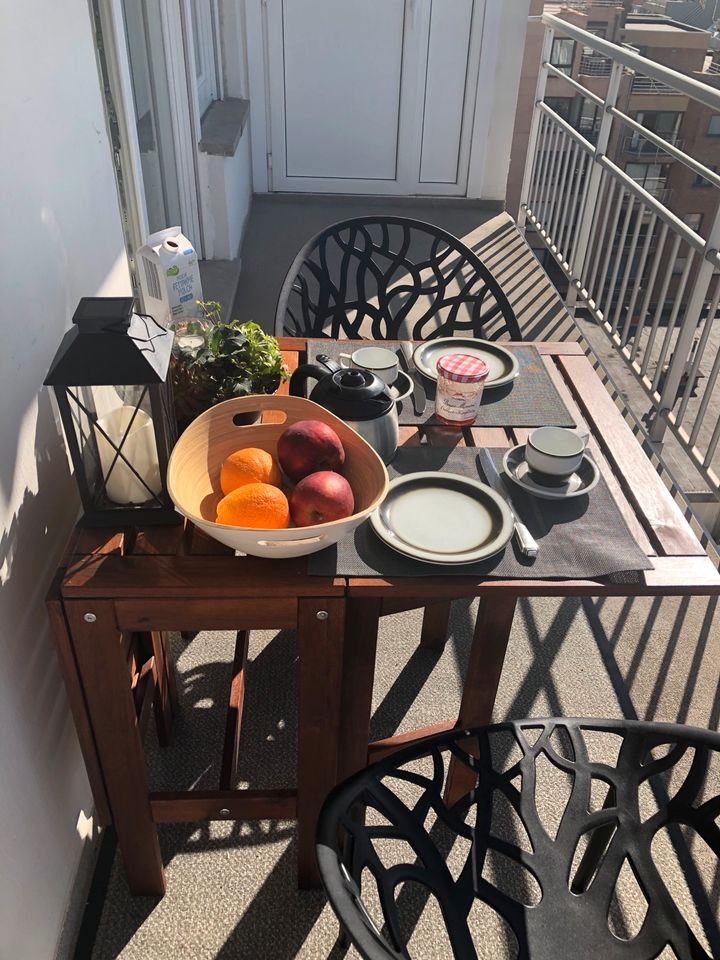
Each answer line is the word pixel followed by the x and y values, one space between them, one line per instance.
pixel 193 477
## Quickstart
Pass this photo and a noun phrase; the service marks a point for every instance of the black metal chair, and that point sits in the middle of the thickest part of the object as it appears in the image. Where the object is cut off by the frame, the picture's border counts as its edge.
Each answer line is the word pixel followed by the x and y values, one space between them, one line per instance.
pixel 558 886
pixel 391 278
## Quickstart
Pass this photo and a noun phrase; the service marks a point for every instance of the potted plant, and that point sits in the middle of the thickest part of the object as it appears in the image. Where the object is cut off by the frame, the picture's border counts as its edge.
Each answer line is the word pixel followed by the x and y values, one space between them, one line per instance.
pixel 214 361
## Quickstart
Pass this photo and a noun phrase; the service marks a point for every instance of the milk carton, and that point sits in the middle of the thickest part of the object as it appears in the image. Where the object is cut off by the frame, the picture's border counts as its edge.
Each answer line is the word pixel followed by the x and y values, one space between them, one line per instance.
pixel 169 276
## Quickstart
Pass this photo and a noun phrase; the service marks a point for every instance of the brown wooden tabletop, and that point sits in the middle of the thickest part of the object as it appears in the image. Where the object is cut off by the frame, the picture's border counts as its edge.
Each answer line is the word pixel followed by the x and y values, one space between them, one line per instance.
pixel 118 590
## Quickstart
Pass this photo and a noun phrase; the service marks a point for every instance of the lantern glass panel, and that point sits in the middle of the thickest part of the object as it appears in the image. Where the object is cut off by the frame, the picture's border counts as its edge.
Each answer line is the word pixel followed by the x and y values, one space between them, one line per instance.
pixel 115 433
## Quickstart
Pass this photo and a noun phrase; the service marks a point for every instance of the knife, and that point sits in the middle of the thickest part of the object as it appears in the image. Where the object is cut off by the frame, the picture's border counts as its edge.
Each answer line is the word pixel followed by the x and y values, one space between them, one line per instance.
pixel 527 543
pixel 419 397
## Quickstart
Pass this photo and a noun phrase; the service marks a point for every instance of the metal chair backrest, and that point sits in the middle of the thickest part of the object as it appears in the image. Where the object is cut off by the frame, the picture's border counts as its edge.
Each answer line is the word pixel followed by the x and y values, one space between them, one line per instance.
pixel 571 826
pixel 391 278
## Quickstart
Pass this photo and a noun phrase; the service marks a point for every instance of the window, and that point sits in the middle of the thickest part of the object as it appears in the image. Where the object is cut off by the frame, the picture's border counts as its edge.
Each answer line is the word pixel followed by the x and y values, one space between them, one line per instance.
pixel 589 120
pixel 714 126
pixel 700 181
pixel 665 123
pixel 679 265
pixel 203 37
pixel 651 176
pixel 563 106
pixel 563 54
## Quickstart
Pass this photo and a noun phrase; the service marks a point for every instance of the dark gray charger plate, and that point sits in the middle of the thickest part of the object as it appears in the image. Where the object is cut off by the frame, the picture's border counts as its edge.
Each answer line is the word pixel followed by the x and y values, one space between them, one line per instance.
pixel 530 400
pixel 582 538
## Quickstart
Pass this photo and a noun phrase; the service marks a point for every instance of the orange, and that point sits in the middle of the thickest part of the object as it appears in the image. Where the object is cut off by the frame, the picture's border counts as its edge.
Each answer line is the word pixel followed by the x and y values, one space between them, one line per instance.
pixel 249 465
pixel 255 505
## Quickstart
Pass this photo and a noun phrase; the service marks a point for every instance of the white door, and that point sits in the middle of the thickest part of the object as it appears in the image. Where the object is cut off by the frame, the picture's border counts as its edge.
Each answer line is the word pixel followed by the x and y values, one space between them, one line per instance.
pixel 374 97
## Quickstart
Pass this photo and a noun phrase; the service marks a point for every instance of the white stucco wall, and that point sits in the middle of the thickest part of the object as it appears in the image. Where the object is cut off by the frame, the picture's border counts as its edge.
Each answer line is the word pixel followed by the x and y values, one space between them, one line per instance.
pixel 60 238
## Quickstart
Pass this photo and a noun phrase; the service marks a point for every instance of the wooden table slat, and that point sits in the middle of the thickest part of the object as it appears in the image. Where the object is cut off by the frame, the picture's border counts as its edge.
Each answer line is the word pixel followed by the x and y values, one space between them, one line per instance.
pixel 641 482
pixel 185 577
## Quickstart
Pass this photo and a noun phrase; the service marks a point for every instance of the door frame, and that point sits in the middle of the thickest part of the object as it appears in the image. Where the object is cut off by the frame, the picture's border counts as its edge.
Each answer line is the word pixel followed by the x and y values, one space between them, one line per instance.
pixel 261 15
pixel 184 115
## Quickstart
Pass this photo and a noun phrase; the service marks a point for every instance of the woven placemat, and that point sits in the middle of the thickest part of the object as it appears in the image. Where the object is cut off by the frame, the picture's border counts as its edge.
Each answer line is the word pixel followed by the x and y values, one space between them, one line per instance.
pixel 585 537
pixel 531 400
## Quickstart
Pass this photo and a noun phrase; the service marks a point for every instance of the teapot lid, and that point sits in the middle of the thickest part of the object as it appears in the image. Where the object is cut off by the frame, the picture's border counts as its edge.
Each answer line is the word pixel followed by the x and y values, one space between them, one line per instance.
pixel 354 395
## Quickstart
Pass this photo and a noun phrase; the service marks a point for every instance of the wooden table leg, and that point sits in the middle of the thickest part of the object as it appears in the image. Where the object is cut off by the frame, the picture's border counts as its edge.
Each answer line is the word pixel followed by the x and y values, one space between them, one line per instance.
pixel 487 655
pixel 162 701
pixel 321 628
pixel 362 618
pixel 103 668
pixel 436 624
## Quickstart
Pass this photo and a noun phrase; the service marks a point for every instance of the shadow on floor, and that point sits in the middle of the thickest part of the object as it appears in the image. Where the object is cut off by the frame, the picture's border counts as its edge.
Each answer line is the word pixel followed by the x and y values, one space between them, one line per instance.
pixel 232 886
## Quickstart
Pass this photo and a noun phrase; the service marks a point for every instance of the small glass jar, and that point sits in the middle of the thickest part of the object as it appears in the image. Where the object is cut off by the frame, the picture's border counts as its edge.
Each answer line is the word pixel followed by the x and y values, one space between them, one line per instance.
pixel 460 384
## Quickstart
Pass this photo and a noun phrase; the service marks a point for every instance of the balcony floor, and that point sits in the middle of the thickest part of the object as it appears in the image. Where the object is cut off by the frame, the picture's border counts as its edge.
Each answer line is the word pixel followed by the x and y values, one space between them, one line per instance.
pixel 231 887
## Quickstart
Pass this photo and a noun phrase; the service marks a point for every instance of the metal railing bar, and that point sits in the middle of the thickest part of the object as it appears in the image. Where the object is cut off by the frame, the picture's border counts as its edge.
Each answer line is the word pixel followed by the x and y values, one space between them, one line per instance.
pixel 665 283
pixel 549 198
pixel 628 266
pixel 645 309
pixel 608 247
pixel 702 410
pixel 642 263
pixel 680 227
pixel 581 202
pixel 667 339
pixel 685 85
pixel 538 158
pixel 712 446
pixel 608 188
pixel 618 258
pixel 667 147
pixel 566 238
pixel 567 128
pixel 583 91
pixel 560 230
pixel 695 366
pixel 560 204
pixel 550 138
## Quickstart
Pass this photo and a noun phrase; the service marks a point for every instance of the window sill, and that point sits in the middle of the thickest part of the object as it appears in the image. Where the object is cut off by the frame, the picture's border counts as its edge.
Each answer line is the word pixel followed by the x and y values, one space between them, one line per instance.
pixel 222 126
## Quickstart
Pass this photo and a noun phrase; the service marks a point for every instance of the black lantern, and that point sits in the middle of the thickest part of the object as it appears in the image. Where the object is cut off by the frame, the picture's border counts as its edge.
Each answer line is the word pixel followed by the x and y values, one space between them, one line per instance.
pixel 110 376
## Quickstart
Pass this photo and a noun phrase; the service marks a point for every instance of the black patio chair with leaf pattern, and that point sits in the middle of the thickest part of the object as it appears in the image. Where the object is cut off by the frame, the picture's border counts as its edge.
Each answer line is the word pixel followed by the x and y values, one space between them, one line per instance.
pixel 582 839
pixel 391 278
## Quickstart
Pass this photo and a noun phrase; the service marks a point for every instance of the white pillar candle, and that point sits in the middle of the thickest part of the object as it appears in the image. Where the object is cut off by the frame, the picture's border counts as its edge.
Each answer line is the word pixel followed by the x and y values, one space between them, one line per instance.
pixel 138 448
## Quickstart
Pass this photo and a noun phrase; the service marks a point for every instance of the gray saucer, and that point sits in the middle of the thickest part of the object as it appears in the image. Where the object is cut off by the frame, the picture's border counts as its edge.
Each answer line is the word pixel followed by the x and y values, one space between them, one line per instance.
pixel 577 484
pixel 442 518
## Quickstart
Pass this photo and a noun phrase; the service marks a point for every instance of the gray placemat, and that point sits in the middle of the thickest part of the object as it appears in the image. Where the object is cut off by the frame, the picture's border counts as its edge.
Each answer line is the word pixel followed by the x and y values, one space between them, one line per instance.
pixel 586 537
pixel 531 400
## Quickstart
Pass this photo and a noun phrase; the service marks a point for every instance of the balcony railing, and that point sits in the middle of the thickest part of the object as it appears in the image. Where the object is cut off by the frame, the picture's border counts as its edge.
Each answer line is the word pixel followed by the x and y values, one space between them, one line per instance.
pixel 649 85
pixel 594 66
pixel 645 148
pixel 632 265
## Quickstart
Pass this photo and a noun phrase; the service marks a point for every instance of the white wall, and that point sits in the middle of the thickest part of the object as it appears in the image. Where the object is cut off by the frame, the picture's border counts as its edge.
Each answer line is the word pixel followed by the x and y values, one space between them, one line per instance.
pixel 60 238
pixel 227 182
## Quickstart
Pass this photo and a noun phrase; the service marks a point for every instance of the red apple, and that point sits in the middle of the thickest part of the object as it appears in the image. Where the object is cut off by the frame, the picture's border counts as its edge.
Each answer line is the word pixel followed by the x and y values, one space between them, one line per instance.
pixel 308 446
pixel 320 498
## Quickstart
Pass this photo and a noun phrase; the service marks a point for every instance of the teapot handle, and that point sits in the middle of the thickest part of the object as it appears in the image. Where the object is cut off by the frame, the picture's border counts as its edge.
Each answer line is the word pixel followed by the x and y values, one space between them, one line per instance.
pixel 323 367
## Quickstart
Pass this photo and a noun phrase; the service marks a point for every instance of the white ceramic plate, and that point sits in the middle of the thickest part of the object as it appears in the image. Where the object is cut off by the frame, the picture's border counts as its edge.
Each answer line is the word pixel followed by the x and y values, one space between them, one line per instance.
pixel 578 484
pixel 503 364
pixel 442 518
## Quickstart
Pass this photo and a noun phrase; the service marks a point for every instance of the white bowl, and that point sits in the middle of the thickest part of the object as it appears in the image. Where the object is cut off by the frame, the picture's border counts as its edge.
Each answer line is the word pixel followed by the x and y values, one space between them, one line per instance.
pixel 193 476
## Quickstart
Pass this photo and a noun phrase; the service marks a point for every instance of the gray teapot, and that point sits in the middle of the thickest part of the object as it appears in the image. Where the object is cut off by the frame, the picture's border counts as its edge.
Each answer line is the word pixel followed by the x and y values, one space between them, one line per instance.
pixel 358 397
